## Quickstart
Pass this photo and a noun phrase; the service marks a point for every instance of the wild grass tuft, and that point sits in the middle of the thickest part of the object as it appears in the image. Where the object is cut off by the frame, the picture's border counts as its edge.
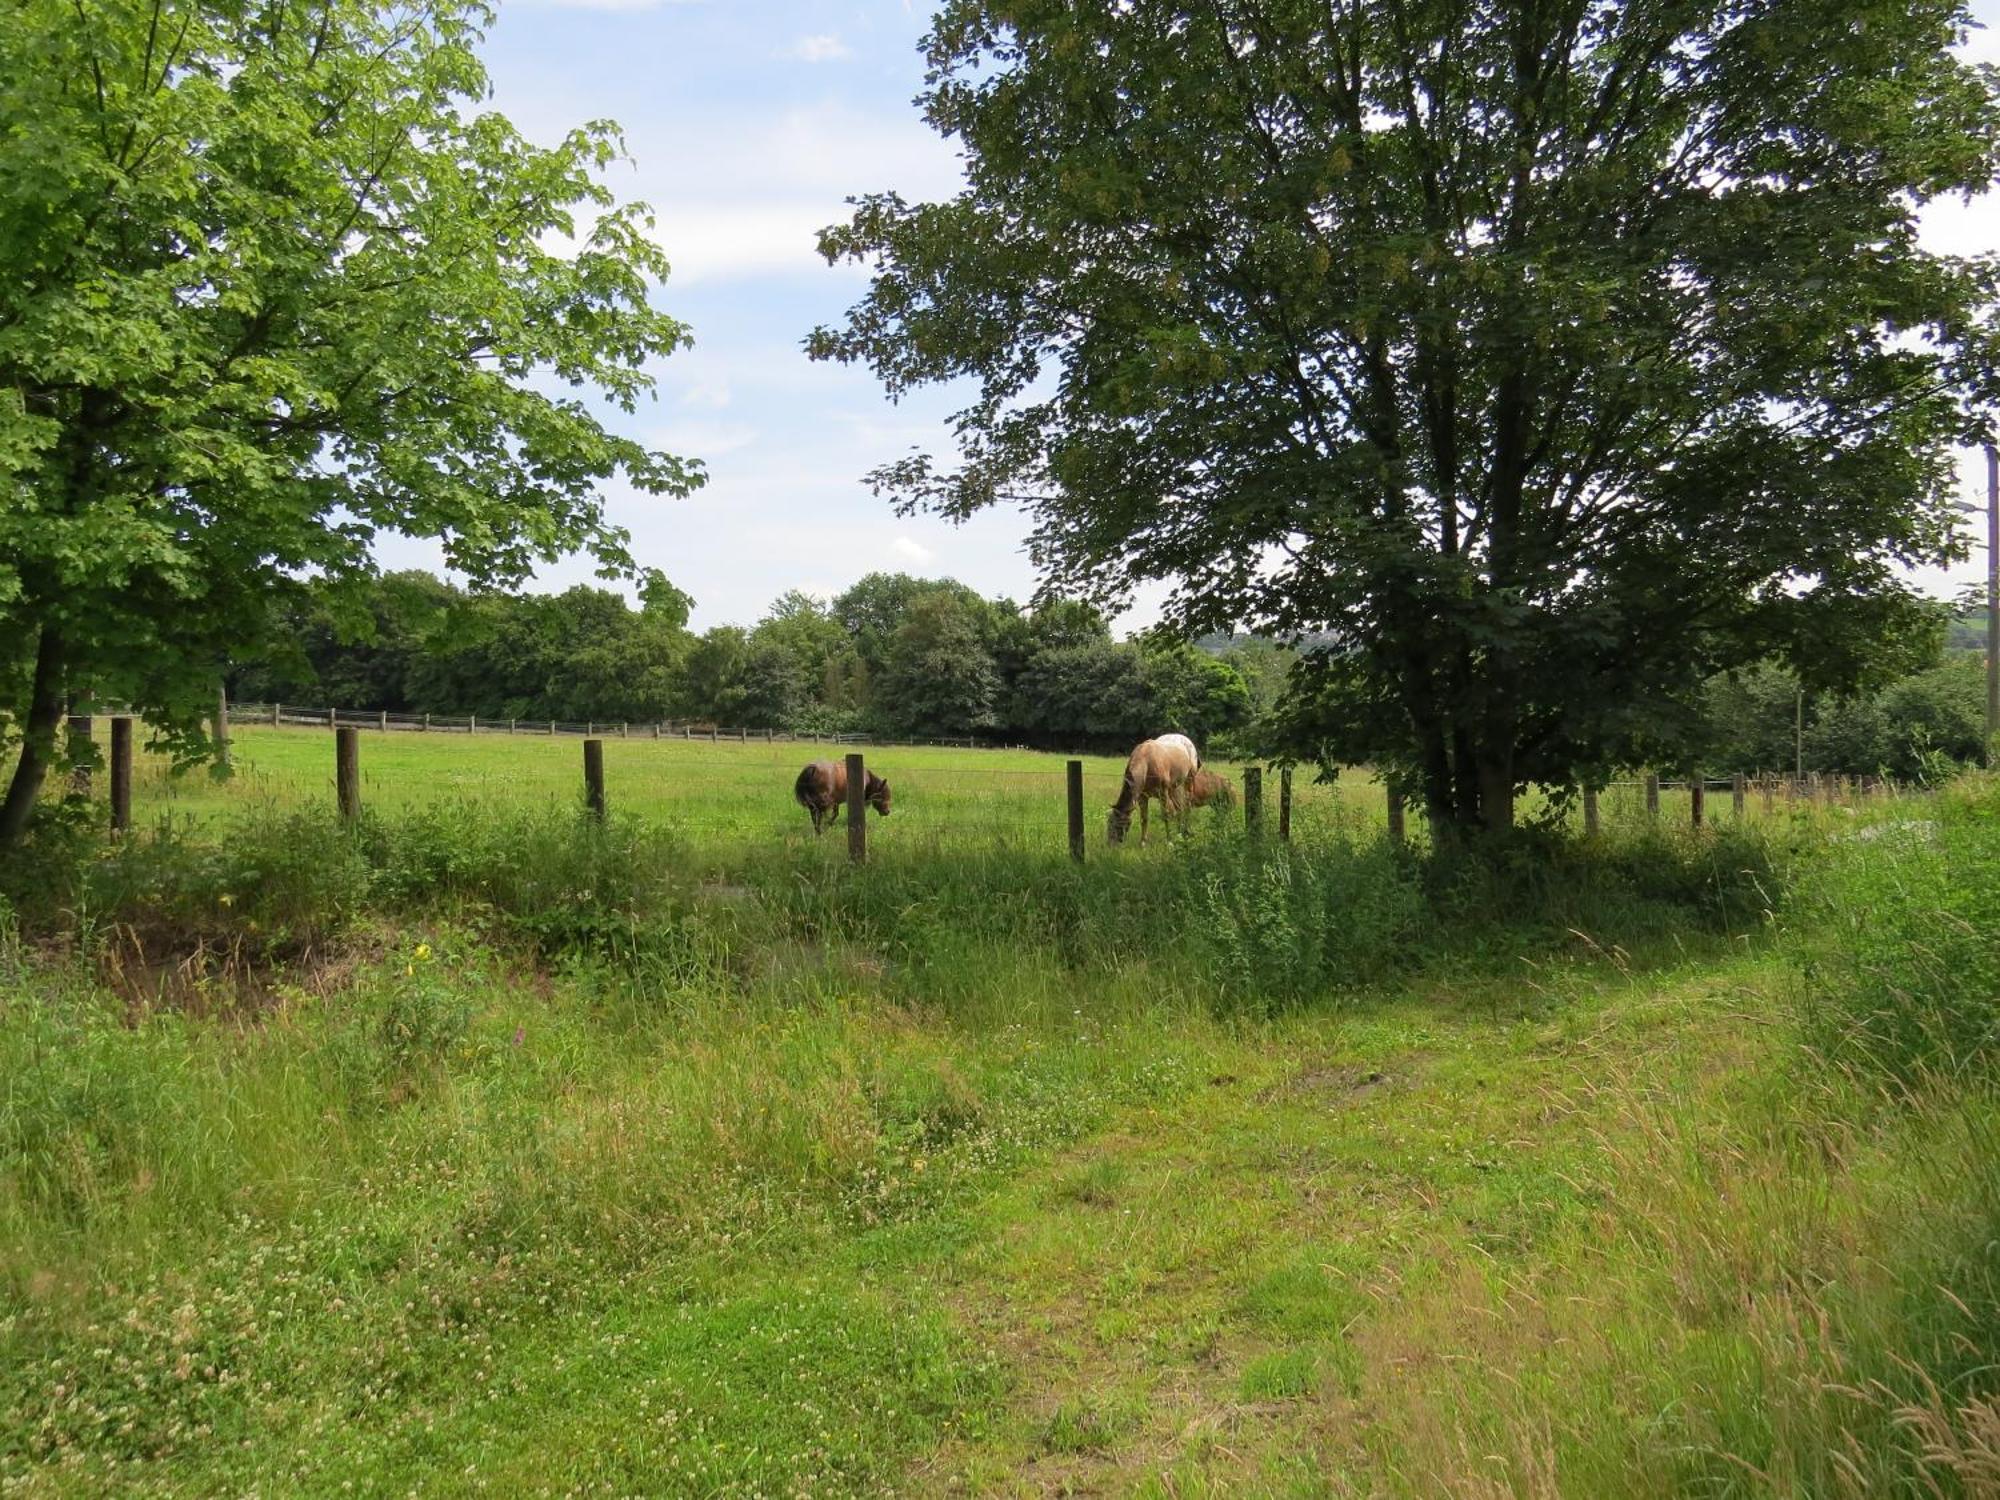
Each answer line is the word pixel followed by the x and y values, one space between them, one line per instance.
pixel 1897 940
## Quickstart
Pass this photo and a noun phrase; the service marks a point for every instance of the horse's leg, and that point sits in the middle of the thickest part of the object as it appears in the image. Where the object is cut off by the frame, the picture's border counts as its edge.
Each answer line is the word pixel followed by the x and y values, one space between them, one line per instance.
pixel 1144 804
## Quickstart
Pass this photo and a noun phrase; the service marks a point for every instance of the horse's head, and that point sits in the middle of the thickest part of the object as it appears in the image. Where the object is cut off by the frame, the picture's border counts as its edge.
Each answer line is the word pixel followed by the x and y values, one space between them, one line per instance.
pixel 878 794
pixel 1117 825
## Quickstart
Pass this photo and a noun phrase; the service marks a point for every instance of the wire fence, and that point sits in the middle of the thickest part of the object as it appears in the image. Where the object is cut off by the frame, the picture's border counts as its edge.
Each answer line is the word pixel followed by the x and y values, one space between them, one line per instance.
pixel 720 790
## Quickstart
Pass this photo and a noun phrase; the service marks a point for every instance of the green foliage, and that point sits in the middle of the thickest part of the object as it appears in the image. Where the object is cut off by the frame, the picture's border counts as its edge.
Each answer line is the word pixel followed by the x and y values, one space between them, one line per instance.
pixel 1904 729
pixel 936 669
pixel 1283 928
pixel 423 1016
pixel 267 288
pixel 1898 943
pixel 1371 330
pixel 906 656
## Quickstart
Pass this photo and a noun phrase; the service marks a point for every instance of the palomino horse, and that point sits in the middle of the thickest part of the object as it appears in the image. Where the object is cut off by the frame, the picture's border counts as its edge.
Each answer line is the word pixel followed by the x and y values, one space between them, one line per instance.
pixel 1159 769
pixel 822 791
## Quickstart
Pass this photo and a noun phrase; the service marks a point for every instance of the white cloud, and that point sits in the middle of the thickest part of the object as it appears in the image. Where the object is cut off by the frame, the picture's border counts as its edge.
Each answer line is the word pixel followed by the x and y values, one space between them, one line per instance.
pixel 711 394
pixel 818 49
pixel 721 240
pixel 911 551
pixel 706 441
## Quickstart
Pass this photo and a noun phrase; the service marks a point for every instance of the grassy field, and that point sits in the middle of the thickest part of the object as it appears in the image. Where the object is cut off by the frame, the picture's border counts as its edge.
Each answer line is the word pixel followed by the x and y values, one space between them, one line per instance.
pixel 483 1150
pixel 742 792
pixel 723 791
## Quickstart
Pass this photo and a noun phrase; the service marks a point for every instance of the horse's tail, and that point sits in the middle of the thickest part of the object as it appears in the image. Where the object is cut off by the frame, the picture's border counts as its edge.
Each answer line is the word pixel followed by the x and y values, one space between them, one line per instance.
pixel 805 786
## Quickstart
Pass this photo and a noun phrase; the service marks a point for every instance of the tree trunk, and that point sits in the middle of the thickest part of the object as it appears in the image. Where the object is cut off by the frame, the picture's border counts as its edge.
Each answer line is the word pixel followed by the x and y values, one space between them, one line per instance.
pixel 38 742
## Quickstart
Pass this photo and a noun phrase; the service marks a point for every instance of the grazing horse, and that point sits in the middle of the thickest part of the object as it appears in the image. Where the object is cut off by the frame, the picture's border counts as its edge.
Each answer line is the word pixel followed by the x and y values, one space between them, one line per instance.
pixel 822 791
pixel 1159 769
pixel 1205 787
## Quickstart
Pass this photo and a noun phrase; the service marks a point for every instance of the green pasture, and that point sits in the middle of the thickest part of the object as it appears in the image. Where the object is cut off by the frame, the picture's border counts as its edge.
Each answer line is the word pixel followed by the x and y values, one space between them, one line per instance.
pixel 725 790
pixel 728 792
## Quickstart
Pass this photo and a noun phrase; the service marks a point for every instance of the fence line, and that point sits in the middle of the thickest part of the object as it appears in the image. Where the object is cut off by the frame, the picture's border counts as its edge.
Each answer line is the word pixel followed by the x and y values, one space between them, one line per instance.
pixel 1815 789
pixel 277 715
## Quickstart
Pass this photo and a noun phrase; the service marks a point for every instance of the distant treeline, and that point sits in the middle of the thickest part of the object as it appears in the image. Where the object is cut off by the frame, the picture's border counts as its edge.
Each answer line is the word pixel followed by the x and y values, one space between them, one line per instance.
pixel 893 654
pixel 931 658
pixel 1910 729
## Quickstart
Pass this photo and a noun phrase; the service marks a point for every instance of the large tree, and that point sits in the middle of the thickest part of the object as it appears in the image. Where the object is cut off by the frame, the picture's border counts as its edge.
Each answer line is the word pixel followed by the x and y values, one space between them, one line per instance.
pixel 270 284
pixel 1543 358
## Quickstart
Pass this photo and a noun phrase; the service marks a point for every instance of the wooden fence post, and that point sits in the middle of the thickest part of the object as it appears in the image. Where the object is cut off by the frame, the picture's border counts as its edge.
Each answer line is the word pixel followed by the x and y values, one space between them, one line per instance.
pixel 427 723
pixel 1075 778
pixel 1770 794
pixel 1253 798
pixel 347 771
pixel 1738 790
pixel 274 714
pixel 624 731
pixel 743 736
pixel 472 723
pixel 857 808
pixel 714 734
pixel 1653 796
pixel 1592 822
pixel 1285 804
pixel 121 773
pixel 593 776
pixel 79 750
pixel 1396 825
pixel 222 726
pixel 1697 798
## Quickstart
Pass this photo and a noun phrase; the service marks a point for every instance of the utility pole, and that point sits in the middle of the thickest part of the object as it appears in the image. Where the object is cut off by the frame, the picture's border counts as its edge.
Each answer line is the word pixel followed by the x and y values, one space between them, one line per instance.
pixel 1992 602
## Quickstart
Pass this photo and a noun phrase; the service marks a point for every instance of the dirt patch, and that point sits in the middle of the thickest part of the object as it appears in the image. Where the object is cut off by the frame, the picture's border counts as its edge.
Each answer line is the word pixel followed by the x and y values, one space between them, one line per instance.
pixel 223 978
pixel 1345 1083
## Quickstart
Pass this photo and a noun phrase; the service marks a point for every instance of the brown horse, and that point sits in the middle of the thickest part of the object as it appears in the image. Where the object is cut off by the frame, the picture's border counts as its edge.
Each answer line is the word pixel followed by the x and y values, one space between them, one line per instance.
pixel 1157 769
pixel 1205 787
pixel 822 791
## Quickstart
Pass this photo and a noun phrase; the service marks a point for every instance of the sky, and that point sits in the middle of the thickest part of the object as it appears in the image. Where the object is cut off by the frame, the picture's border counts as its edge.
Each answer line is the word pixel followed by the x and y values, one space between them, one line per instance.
pixel 749 123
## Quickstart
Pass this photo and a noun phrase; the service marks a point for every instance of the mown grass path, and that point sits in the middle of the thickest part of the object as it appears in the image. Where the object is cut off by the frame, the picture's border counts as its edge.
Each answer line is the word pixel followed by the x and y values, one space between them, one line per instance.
pixel 1258 1283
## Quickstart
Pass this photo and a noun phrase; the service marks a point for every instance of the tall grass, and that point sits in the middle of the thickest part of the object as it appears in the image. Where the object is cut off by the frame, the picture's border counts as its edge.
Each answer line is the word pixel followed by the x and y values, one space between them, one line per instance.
pixel 1897 939
pixel 1792 1282
pixel 300 1123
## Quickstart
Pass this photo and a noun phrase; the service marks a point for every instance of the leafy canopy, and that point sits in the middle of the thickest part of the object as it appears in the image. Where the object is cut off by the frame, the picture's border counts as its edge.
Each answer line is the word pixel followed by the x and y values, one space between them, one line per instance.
pixel 271 283
pixel 1543 357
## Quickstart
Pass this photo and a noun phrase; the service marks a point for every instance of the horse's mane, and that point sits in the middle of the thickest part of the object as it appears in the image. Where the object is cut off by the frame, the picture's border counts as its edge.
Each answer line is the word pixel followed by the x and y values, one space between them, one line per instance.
pixel 1129 793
